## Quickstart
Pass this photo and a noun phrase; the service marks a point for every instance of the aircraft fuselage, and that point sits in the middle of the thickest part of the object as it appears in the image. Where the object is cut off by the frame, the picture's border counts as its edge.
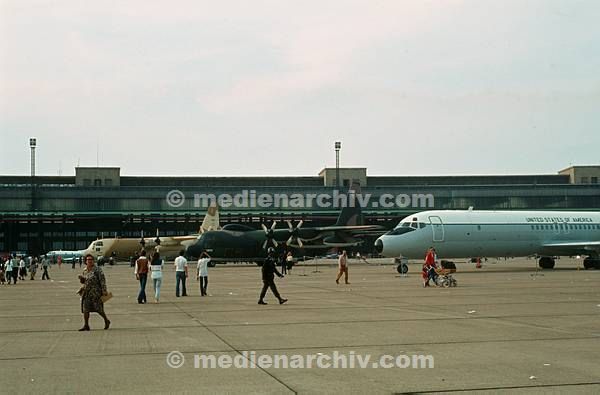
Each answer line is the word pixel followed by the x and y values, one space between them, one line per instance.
pixel 470 233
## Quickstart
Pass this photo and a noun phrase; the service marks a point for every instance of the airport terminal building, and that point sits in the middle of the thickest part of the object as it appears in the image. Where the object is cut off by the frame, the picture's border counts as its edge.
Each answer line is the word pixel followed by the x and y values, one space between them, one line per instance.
pixel 43 213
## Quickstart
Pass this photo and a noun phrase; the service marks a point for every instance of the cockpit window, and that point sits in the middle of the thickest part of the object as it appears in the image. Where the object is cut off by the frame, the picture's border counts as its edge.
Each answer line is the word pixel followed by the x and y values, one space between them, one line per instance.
pixel 400 230
pixel 414 225
pixel 99 244
pixel 405 224
pixel 422 225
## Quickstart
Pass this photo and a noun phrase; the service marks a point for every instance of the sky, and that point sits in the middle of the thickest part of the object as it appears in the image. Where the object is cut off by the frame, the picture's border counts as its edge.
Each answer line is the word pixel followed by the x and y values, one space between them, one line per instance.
pixel 443 87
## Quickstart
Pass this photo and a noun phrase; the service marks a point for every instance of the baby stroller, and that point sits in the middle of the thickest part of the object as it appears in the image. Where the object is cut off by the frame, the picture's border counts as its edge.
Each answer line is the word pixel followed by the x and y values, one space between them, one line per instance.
pixel 443 278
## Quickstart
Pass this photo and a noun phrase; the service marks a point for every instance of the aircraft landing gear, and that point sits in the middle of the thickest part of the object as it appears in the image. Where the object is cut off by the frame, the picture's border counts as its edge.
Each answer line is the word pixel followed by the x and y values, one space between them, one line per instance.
pixel 591 263
pixel 402 268
pixel 546 262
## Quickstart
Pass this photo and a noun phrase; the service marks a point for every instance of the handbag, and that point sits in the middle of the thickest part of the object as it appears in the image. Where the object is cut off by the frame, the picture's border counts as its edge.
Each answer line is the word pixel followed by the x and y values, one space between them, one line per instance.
pixel 107 297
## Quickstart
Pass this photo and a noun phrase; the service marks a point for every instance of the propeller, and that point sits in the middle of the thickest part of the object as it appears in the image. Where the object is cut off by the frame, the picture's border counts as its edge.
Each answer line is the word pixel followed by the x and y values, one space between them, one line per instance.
pixel 294 233
pixel 270 235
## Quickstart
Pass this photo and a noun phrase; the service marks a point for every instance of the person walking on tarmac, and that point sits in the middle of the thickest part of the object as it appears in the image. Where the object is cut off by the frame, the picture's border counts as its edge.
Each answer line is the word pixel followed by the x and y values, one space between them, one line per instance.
pixel 343 267
pixel 45 265
pixel 269 269
pixel 429 266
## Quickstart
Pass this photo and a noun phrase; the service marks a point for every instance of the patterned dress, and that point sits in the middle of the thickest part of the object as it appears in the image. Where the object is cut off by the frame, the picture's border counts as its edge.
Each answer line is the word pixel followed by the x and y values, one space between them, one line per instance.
pixel 94 287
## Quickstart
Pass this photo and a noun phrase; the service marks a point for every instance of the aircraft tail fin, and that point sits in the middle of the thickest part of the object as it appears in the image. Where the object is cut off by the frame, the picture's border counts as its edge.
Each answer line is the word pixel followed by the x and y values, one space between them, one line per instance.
pixel 211 219
pixel 351 214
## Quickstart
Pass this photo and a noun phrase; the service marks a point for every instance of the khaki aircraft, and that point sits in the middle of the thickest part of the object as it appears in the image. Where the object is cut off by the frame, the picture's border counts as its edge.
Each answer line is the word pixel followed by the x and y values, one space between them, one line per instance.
pixel 168 246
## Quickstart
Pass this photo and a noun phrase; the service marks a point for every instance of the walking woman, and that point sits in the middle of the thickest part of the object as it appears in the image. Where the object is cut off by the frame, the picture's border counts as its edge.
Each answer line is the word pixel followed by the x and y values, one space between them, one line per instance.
pixel 94 287
pixel 428 266
pixel 141 273
pixel 156 275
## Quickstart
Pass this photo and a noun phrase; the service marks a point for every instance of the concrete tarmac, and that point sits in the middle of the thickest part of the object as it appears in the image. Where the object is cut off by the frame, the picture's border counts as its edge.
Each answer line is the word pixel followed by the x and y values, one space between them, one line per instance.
pixel 506 327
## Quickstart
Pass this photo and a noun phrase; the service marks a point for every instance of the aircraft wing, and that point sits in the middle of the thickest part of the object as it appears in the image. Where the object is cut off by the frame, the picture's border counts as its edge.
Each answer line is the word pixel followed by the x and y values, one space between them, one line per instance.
pixel 576 245
pixel 349 228
pixel 339 236
pixel 170 241
pixel 184 238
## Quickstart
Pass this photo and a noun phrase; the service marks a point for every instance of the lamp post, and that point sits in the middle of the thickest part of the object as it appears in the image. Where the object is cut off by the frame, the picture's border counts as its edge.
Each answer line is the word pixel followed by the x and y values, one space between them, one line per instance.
pixel 33 249
pixel 338 146
pixel 32 145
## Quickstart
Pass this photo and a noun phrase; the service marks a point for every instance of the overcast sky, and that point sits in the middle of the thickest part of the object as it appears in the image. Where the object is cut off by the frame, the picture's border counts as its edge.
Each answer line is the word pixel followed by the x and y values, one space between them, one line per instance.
pixel 267 87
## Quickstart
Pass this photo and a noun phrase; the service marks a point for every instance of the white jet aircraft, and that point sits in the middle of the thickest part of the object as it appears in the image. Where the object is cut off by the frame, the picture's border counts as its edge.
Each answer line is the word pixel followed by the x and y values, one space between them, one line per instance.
pixel 477 233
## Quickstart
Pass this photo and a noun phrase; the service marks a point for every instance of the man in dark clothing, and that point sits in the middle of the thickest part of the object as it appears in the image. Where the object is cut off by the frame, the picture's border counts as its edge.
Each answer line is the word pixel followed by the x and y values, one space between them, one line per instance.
pixel 283 263
pixel 269 269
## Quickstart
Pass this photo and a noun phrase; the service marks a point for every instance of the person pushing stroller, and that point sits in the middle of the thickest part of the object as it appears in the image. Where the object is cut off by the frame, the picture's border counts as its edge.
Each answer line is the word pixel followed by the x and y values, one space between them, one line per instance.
pixel 429 267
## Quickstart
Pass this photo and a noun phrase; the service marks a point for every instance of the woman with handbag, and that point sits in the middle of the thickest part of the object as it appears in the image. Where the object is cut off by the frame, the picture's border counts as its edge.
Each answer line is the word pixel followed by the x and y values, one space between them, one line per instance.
pixel 93 292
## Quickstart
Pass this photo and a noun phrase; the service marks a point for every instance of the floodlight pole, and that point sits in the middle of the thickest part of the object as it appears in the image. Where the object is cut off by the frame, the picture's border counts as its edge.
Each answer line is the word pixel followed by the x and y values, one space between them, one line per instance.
pixel 32 146
pixel 338 146
pixel 34 246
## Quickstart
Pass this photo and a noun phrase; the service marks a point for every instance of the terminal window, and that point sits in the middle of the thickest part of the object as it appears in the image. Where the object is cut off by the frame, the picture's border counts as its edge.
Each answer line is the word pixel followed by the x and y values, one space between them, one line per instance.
pixel 584 180
pixel 594 180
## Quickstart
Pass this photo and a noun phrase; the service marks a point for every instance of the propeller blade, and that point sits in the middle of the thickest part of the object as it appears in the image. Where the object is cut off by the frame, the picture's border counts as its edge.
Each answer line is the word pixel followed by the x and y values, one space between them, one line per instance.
pixel 289 241
pixel 273 226
pixel 265 244
pixel 290 225
pixel 300 224
pixel 300 242
pixel 275 243
pixel 264 228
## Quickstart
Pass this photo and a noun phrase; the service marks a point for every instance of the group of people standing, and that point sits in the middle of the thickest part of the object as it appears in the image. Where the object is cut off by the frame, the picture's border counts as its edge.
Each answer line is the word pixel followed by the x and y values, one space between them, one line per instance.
pixel 154 267
pixel 145 266
pixel 14 268
pixel 286 260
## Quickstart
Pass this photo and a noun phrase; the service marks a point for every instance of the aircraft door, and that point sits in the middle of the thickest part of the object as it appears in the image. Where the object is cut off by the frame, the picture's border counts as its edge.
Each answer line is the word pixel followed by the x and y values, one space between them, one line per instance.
pixel 438 228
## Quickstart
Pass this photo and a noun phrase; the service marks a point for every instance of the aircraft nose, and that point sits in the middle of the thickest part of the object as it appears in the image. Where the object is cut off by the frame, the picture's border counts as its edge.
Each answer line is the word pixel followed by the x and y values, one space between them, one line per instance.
pixel 379 246
pixel 193 250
